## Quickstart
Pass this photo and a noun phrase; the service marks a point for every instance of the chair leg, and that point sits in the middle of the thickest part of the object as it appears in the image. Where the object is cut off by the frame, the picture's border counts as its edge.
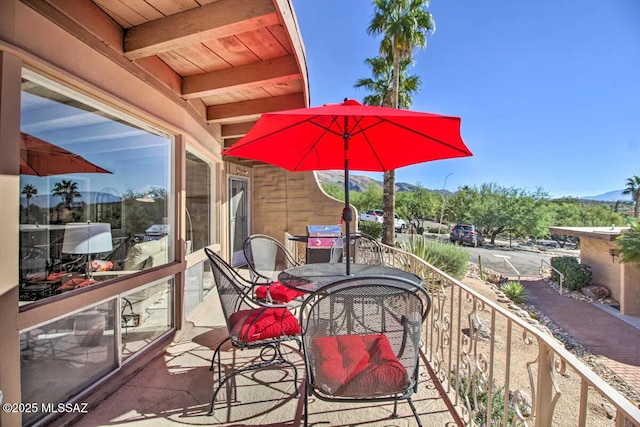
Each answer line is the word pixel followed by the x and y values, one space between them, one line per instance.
pixel 287 362
pixel 415 412
pixel 395 409
pixel 306 405
pixel 279 360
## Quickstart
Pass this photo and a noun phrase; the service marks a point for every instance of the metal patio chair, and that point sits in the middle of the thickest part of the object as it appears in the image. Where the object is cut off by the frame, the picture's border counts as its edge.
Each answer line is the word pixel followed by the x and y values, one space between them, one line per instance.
pixel 361 340
pixel 364 249
pixel 266 258
pixel 251 325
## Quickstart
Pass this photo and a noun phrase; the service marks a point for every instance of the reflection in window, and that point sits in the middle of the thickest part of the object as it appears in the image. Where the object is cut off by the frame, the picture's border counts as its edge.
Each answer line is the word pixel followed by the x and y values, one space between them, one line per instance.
pixel 145 315
pixel 64 356
pixel 198 284
pixel 198 195
pixel 82 162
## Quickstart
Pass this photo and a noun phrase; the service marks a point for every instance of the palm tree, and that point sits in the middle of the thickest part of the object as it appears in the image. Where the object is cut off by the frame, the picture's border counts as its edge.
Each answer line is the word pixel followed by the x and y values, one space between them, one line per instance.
pixel 29 190
pixel 633 189
pixel 380 85
pixel 404 25
pixel 67 190
pixel 629 243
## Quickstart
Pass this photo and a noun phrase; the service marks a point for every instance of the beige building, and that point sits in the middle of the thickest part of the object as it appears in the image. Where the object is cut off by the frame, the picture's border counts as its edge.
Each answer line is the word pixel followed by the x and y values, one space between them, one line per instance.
pixel 149 92
pixel 598 250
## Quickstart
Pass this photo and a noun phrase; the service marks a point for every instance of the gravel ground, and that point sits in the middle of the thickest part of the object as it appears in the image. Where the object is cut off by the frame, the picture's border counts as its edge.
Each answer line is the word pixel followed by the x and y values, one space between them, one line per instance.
pixel 571 344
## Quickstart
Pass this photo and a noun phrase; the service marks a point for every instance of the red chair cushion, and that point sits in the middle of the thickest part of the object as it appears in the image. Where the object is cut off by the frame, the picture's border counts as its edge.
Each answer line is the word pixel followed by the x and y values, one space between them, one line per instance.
pixel 75 283
pixel 269 323
pixel 357 366
pixel 279 292
pixel 52 277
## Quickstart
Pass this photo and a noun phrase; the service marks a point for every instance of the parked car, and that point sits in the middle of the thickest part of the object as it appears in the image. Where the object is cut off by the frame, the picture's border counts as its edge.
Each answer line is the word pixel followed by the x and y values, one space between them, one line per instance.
pixel 467 234
pixel 377 215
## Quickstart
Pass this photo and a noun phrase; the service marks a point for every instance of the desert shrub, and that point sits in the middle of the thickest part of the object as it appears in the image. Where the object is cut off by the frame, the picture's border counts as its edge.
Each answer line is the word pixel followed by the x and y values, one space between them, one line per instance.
pixel 444 256
pixel 373 229
pixel 478 398
pixel 515 292
pixel 433 230
pixel 576 275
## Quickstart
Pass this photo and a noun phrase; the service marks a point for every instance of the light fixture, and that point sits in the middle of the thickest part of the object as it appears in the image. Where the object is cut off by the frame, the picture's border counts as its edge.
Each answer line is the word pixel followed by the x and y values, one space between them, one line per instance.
pixel 614 254
pixel 86 239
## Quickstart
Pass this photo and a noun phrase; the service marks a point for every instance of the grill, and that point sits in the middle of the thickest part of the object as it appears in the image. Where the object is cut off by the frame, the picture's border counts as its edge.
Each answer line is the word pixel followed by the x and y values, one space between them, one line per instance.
pixel 320 239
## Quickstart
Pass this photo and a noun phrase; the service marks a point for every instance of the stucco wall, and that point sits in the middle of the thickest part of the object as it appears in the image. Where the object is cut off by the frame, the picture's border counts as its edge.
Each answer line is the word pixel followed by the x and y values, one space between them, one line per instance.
pixel 630 301
pixel 606 271
pixel 284 201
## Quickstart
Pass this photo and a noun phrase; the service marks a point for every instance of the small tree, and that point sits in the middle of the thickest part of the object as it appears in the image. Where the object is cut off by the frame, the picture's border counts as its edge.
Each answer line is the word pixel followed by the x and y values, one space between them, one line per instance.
pixel 632 188
pixel 629 243
pixel 29 190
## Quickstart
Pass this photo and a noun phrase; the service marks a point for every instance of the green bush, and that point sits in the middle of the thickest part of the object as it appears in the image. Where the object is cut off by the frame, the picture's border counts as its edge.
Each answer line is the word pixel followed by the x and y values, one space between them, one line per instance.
pixel 444 256
pixel 515 292
pixel 373 229
pixel 576 275
pixel 477 397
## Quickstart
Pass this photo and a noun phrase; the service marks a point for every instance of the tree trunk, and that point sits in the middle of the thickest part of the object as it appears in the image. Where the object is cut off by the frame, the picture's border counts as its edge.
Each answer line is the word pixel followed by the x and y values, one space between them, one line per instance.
pixel 389 187
pixel 388 201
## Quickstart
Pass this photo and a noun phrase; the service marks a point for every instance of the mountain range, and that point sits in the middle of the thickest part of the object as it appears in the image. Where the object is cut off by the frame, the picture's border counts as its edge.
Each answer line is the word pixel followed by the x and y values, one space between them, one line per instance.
pixel 610 196
pixel 360 183
pixel 357 182
pixel 89 197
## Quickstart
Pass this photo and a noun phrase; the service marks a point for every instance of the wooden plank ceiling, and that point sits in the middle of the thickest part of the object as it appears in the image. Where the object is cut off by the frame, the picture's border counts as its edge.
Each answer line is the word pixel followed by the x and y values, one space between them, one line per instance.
pixel 232 59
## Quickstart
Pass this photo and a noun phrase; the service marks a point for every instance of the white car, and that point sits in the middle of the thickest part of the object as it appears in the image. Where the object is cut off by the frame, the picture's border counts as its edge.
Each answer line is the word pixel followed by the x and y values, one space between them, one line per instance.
pixel 377 215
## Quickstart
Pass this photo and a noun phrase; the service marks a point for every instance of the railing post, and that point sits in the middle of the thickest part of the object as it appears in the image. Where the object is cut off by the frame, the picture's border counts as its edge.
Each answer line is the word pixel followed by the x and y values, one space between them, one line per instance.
pixel 545 389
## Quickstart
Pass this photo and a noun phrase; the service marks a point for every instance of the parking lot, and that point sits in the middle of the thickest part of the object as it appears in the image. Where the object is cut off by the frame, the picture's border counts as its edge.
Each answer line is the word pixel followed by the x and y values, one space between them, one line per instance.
pixel 509 258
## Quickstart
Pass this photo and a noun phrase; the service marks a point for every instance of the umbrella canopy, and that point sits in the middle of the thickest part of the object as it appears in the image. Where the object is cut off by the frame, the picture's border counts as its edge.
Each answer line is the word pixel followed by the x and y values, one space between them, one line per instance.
pixel 350 136
pixel 42 158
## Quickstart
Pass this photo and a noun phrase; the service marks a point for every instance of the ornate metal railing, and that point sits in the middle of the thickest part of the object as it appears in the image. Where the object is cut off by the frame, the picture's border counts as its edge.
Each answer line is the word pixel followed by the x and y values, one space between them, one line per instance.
pixel 500 367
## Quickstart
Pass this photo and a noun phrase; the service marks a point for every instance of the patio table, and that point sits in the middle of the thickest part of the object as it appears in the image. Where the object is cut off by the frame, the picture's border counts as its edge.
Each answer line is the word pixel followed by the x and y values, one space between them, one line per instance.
pixel 311 277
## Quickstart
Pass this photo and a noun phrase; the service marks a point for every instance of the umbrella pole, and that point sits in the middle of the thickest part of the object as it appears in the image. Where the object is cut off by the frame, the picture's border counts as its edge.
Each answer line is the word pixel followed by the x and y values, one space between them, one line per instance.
pixel 347 216
pixel 346 212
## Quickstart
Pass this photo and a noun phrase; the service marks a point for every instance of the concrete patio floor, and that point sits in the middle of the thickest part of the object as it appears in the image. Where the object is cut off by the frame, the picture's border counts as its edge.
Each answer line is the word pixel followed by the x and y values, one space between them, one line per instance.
pixel 176 389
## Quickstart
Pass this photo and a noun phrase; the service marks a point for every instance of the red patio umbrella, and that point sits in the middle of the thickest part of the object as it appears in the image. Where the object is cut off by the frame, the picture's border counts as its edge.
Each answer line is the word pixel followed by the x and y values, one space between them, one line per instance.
pixel 42 158
pixel 350 136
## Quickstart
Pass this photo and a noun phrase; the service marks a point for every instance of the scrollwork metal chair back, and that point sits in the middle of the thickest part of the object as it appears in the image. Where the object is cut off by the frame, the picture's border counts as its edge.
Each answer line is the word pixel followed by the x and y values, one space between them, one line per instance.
pixel 361 339
pixel 251 325
pixel 364 249
pixel 266 258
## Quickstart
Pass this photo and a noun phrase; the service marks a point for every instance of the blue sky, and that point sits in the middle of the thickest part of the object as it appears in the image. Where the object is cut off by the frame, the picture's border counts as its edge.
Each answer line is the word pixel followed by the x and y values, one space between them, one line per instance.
pixel 548 91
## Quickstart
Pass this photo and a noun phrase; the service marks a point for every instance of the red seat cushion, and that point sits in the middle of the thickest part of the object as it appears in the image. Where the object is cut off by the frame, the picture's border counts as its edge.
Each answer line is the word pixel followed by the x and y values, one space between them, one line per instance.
pixel 52 277
pixel 278 292
pixel 76 283
pixel 262 323
pixel 357 366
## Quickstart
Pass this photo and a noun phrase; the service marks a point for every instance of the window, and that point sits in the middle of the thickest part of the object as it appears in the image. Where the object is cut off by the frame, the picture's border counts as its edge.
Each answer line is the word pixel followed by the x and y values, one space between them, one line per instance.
pixel 198 208
pixel 145 315
pixel 94 186
pixel 63 356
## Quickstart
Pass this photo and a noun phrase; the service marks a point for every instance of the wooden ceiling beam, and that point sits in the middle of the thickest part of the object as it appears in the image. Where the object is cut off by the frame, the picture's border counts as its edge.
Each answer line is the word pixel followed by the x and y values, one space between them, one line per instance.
pixel 231 141
pixel 212 21
pixel 249 76
pixel 247 110
pixel 236 130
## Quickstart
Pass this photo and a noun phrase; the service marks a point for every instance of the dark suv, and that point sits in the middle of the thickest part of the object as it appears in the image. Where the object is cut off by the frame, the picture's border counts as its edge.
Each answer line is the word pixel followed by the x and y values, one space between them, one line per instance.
pixel 466 234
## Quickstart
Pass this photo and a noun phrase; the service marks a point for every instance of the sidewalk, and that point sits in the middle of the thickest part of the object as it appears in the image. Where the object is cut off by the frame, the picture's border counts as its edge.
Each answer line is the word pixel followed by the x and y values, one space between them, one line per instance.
pixel 613 338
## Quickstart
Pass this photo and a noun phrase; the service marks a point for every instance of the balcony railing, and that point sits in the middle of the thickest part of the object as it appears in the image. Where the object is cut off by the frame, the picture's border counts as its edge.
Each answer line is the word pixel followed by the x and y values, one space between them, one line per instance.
pixel 498 369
